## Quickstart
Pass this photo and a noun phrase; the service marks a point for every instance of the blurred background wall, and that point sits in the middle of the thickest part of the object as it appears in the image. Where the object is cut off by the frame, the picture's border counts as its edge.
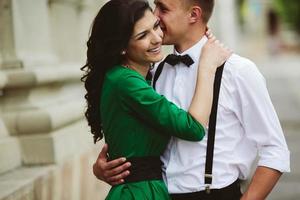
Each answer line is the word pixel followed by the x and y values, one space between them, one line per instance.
pixel 46 150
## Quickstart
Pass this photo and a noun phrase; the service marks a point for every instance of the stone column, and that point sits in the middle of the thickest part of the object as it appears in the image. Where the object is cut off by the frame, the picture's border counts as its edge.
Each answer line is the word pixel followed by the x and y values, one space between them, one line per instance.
pixel 8 57
pixel 64 28
pixel 86 15
pixel 10 155
pixel 44 97
pixel 25 37
pixel 224 23
pixel 78 16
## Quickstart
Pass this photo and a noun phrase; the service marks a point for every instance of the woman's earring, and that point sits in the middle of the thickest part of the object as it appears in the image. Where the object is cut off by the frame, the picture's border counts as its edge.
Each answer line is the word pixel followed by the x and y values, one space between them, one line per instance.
pixel 123 52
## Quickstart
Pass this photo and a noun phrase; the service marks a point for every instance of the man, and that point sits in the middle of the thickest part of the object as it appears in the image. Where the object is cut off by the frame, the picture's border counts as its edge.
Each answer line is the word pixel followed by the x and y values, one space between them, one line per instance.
pixel 247 124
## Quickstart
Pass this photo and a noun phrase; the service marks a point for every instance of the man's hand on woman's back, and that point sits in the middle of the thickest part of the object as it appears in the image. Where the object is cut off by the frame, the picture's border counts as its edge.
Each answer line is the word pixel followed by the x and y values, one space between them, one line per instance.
pixel 112 172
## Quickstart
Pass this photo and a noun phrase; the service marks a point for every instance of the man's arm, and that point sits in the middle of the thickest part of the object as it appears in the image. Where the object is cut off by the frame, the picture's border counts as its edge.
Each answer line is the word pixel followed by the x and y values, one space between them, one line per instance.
pixel 262 128
pixel 262 183
pixel 112 172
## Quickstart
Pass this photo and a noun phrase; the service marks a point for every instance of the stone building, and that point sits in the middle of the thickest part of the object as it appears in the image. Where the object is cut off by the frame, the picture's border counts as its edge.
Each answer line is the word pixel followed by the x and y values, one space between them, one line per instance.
pixel 46 152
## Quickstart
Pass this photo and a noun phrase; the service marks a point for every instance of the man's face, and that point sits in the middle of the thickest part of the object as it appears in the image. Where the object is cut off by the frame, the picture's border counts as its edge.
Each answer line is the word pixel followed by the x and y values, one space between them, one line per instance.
pixel 174 20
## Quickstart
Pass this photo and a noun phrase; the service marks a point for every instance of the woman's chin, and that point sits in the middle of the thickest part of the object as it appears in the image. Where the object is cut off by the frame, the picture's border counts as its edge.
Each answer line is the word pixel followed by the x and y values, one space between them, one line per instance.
pixel 157 58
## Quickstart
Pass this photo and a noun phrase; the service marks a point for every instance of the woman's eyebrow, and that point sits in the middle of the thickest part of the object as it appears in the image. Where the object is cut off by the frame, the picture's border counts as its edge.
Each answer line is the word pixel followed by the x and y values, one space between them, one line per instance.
pixel 141 33
pixel 145 31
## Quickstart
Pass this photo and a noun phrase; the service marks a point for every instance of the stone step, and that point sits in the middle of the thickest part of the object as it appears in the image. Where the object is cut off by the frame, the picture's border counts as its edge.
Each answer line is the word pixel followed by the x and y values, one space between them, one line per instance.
pixel 20 183
pixel 43 120
pixel 10 156
pixel 72 179
pixel 56 146
pixel 20 78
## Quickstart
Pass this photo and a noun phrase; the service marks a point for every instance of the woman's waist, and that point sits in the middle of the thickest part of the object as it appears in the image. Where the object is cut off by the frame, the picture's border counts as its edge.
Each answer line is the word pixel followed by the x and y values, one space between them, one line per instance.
pixel 145 168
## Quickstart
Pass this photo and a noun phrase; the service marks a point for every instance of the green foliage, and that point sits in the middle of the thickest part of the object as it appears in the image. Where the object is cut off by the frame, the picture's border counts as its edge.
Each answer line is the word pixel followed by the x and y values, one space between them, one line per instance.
pixel 289 10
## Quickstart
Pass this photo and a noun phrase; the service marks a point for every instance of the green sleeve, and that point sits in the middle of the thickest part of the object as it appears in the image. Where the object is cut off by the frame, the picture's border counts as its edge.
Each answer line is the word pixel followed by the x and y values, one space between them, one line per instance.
pixel 154 109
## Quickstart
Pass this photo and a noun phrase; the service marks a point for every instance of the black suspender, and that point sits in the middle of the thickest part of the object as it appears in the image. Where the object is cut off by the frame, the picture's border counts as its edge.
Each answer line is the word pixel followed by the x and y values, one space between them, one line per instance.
pixel 157 73
pixel 212 129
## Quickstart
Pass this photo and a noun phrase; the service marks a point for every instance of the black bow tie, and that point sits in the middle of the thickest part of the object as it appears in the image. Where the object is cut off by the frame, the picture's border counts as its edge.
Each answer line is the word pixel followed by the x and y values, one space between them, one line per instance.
pixel 173 59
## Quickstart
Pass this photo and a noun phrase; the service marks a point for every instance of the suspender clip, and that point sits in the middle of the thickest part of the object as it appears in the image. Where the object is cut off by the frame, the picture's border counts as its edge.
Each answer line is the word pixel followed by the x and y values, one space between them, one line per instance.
pixel 208 176
pixel 207 187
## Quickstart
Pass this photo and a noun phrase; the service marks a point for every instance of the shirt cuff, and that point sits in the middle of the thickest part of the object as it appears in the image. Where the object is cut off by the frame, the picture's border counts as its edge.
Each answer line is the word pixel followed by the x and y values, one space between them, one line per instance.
pixel 279 161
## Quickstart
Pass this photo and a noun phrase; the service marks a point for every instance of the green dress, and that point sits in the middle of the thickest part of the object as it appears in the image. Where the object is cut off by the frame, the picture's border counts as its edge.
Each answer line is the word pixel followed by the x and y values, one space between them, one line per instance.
pixel 139 122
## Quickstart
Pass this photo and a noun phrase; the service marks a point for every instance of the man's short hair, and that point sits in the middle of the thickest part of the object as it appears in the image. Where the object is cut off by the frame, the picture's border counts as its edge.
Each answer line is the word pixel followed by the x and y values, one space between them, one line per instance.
pixel 207 7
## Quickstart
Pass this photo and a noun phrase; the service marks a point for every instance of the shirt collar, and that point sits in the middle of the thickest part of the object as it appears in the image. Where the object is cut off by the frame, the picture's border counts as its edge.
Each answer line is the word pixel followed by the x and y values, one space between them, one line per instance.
pixel 194 51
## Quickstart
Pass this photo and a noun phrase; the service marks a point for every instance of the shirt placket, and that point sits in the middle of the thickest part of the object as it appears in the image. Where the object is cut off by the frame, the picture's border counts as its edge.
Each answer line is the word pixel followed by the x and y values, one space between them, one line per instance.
pixel 178 89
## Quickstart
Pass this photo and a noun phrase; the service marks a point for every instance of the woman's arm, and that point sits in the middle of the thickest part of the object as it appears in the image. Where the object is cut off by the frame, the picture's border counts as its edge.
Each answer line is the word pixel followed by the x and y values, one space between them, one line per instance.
pixel 153 109
pixel 212 56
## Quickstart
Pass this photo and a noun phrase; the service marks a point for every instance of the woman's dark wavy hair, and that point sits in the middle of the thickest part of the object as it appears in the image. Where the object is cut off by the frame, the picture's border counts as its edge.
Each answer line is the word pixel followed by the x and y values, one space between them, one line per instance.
pixel 109 36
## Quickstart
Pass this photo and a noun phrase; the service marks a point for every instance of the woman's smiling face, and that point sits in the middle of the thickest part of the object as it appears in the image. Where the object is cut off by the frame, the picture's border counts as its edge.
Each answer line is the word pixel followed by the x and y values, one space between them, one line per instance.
pixel 144 46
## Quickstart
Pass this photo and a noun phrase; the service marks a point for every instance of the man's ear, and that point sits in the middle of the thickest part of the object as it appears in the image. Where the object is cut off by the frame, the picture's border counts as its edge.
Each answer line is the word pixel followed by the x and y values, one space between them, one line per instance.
pixel 195 14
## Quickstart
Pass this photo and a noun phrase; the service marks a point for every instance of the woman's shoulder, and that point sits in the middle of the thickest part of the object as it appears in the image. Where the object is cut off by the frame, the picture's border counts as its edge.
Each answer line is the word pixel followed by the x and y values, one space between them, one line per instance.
pixel 120 71
pixel 122 77
pixel 115 72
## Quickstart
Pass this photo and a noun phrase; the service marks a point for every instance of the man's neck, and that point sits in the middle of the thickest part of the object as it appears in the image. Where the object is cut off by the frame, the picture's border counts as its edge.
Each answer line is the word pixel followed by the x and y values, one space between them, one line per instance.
pixel 190 40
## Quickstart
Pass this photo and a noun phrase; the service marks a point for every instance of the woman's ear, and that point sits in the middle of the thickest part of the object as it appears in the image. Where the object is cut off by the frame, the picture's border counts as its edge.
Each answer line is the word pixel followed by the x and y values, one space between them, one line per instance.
pixel 195 14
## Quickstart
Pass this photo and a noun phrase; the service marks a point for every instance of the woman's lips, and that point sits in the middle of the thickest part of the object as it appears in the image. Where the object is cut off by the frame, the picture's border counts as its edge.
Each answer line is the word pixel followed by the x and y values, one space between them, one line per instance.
pixel 155 50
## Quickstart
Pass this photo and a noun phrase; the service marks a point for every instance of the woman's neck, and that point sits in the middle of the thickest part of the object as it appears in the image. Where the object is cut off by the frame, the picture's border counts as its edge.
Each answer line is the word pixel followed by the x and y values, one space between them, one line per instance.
pixel 142 69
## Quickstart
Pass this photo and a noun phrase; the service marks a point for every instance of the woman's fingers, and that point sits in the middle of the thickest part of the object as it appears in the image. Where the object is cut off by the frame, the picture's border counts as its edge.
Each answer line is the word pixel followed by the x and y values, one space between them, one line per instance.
pixel 212 39
pixel 208 30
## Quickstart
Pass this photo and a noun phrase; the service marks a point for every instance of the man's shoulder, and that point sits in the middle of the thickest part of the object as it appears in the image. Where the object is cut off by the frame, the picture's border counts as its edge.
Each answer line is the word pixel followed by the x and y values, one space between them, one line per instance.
pixel 241 69
pixel 237 63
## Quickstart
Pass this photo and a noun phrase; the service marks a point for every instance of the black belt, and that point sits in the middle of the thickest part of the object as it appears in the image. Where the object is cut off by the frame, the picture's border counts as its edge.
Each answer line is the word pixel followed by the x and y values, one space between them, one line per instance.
pixel 144 168
pixel 231 192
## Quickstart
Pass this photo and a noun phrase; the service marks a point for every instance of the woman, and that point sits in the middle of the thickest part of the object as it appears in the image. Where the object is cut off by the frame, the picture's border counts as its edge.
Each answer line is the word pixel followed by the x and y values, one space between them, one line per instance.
pixel 137 122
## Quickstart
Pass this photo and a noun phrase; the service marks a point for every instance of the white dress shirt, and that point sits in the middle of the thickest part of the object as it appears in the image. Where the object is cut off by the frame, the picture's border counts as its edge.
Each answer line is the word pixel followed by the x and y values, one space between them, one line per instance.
pixel 247 125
